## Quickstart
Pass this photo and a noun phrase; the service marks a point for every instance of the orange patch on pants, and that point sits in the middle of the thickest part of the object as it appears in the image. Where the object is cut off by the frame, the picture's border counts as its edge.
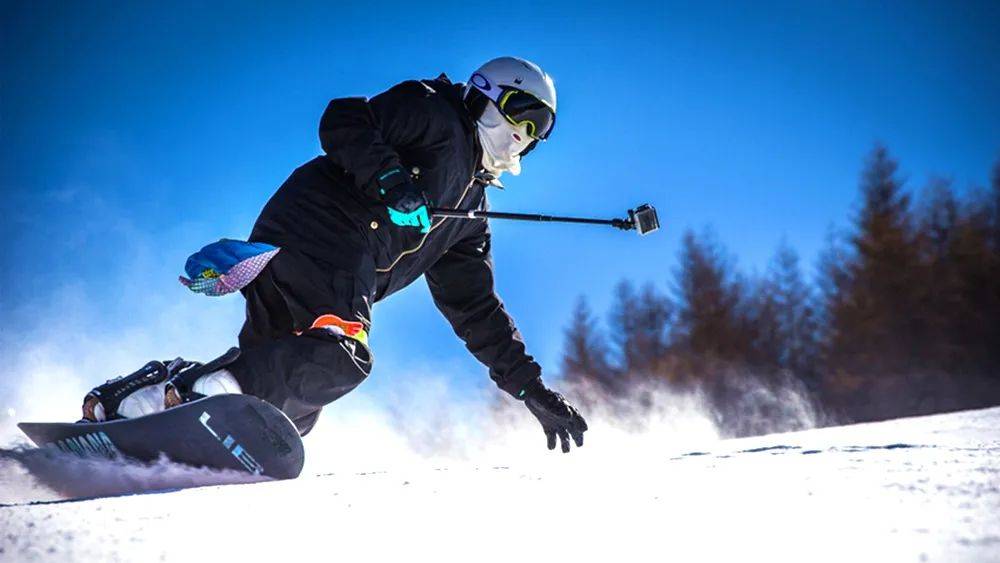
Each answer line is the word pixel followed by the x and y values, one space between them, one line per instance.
pixel 337 325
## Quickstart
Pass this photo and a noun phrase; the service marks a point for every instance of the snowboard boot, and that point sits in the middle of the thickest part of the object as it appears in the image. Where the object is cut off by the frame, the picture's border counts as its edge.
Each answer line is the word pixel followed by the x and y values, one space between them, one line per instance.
pixel 202 380
pixel 133 395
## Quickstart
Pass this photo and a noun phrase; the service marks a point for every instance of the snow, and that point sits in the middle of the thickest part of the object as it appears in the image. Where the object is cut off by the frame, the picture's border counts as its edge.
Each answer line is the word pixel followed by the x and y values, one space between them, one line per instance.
pixel 918 489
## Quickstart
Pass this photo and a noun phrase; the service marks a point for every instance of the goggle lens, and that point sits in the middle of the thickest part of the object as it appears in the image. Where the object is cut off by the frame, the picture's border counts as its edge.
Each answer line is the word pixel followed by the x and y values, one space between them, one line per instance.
pixel 521 108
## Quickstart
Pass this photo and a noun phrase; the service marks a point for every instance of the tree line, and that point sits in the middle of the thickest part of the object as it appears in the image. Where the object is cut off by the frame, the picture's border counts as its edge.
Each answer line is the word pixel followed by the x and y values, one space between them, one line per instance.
pixel 901 316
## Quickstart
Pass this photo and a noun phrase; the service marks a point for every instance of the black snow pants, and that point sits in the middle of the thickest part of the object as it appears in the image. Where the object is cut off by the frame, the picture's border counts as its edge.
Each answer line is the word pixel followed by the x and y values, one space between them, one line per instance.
pixel 304 341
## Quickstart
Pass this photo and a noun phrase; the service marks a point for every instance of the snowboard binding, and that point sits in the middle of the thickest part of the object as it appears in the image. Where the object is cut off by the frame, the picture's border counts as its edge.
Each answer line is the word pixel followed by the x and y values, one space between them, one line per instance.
pixel 103 402
pixel 180 386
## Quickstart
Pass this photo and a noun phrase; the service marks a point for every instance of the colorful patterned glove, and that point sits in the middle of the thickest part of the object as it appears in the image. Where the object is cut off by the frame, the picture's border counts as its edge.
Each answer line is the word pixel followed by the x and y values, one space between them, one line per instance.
pixel 226 266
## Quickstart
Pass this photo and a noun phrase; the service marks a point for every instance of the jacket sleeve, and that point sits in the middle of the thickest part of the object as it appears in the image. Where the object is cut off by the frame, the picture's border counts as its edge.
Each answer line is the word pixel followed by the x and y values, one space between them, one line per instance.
pixel 363 136
pixel 461 283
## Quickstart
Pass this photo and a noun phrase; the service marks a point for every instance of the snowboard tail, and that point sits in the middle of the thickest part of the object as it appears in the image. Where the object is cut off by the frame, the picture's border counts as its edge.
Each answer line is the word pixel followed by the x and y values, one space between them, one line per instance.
pixel 238 432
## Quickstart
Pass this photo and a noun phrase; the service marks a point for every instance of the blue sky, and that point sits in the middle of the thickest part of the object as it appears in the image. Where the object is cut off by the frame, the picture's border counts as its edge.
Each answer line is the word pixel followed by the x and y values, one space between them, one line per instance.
pixel 132 134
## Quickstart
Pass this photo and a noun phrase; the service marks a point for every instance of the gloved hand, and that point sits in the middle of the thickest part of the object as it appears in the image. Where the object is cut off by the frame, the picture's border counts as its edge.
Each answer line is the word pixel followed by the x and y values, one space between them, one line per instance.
pixel 405 201
pixel 557 416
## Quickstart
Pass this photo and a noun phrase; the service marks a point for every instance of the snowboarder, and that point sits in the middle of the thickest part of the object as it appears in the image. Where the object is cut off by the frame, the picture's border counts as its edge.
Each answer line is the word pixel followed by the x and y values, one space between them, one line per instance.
pixel 352 227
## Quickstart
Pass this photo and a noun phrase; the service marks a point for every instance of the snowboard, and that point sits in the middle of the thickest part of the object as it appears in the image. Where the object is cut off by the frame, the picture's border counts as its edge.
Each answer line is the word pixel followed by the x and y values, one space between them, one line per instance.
pixel 238 432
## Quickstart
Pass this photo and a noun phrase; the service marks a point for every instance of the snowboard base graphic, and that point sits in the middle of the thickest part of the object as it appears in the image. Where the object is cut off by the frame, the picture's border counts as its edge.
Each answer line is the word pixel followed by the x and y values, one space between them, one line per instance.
pixel 237 432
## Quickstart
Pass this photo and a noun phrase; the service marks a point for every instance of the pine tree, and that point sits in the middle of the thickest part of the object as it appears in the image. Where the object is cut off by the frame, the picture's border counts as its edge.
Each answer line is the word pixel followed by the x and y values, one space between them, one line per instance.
pixel 874 327
pixel 585 354
pixel 640 323
pixel 833 284
pixel 708 323
pixel 760 319
pixel 797 322
pixel 976 265
pixel 939 288
pixel 993 305
pixel 994 210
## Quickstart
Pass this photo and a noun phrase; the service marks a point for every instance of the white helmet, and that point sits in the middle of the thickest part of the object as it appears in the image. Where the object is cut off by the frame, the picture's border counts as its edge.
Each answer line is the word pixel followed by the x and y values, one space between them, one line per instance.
pixel 521 91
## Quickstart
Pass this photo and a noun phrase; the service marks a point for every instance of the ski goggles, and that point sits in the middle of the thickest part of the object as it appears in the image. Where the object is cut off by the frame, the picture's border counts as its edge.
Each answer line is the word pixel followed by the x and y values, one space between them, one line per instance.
pixel 523 109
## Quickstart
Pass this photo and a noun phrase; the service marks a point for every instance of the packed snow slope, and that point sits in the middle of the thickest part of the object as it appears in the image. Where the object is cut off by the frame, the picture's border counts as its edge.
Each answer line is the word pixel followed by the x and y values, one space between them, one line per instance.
pixel 919 489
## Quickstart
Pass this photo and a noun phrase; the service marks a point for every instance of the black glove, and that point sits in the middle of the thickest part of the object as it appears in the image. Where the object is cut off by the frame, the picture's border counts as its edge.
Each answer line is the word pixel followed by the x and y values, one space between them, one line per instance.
pixel 405 202
pixel 399 192
pixel 556 415
pixel 405 198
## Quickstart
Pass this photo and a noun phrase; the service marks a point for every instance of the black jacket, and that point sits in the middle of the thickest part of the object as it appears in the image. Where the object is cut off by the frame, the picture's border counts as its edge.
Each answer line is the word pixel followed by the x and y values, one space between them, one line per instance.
pixel 333 201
